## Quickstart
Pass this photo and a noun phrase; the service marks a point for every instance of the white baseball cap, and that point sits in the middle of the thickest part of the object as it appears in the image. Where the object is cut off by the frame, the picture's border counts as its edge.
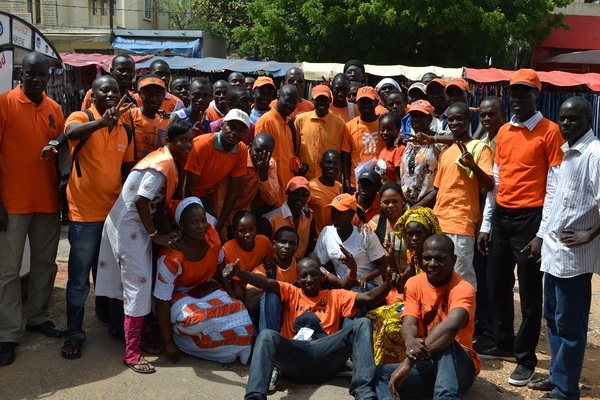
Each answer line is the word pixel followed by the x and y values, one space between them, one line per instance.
pixel 235 114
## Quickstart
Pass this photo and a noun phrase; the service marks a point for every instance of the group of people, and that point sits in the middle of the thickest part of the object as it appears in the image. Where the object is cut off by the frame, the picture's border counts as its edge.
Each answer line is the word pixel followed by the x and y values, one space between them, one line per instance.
pixel 370 231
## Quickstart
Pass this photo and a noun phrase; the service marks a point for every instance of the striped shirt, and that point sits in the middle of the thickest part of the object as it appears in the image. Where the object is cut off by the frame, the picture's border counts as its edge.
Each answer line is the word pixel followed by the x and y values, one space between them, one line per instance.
pixel 574 205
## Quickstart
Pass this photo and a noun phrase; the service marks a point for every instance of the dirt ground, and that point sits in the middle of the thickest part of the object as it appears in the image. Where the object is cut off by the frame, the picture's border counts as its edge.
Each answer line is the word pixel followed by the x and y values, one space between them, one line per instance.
pixel 41 372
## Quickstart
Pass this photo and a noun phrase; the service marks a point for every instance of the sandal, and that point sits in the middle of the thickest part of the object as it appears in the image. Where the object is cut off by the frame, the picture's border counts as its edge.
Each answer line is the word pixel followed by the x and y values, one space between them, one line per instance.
pixel 142 362
pixel 71 349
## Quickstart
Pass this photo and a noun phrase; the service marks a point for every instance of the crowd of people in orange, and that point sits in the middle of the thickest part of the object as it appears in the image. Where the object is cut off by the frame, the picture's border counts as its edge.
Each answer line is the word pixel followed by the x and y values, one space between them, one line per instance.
pixel 371 231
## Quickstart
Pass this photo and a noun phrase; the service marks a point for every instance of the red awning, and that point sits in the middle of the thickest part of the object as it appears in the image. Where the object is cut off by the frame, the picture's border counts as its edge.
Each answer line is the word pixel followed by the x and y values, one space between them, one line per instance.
pixel 556 78
pixel 104 60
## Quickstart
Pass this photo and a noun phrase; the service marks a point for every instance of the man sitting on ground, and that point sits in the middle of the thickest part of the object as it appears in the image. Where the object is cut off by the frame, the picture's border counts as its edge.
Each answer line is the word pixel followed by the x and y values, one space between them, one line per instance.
pixel 437 329
pixel 320 310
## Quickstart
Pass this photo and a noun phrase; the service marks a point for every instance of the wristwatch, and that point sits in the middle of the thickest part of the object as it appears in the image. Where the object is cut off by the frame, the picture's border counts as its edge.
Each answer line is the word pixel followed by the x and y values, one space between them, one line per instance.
pixel 54 143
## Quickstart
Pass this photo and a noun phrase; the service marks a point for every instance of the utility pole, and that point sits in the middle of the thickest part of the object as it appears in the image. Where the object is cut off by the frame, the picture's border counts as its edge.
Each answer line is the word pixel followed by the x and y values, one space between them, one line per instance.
pixel 111 15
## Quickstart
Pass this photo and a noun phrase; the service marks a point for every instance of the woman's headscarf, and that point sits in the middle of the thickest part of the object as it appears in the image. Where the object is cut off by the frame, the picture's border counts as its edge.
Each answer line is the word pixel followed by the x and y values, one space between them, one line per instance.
pixel 387 81
pixel 422 215
pixel 183 204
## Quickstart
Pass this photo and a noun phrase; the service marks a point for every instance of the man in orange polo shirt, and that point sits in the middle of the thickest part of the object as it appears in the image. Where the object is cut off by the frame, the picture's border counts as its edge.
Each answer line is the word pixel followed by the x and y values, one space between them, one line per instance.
pixel 340 87
pixel 149 126
pixel 295 77
pixel 325 188
pixel 286 142
pixel 101 165
pixel 526 164
pixel 29 204
pixel 123 70
pixel 320 130
pixel 363 133
pixel 263 92
pixel 218 156
pixel 367 196
pixel 170 102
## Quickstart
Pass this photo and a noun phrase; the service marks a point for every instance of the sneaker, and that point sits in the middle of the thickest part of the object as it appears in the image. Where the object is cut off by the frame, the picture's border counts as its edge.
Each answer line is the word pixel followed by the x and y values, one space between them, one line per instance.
pixel 488 350
pixel 346 369
pixel 521 376
pixel 275 380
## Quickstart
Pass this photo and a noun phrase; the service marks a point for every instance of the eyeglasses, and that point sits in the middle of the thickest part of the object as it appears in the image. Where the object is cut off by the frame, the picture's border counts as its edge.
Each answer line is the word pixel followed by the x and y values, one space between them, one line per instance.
pixel 295 81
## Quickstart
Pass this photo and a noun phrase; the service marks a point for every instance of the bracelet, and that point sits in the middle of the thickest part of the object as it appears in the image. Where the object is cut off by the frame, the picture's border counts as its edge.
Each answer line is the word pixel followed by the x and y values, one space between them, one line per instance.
pixel 153 233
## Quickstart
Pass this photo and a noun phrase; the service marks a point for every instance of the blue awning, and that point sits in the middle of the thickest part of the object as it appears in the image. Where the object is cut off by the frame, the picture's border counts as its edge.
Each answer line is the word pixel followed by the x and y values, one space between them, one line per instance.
pixel 212 64
pixel 140 46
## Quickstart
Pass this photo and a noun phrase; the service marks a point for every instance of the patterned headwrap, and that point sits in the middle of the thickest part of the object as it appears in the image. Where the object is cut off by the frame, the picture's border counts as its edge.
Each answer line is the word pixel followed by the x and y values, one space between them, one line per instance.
pixel 422 215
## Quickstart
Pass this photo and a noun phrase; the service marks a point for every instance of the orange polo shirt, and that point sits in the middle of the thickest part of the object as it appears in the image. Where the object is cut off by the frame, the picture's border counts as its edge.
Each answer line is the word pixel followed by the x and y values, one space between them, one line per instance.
pixel 273 123
pixel 212 114
pixel 149 133
pixel 169 104
pixel 457 201
pixel 524 158
pixel 320 196
pixel 365 142
pixel 347 113
pixel 211 163
pixel 319 135
pixel 92 196
pixel 28 184
pixel 303 106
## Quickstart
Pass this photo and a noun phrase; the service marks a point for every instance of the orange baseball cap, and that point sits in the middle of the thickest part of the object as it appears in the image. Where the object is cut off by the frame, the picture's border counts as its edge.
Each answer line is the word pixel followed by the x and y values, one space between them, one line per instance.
pixel 368 92
pixel 459 83
pixel 297 182
pixel 526 77
pixel 343 202
pixel 436 81
pixel 262 81
pixel 422 106
pixel 321 90
pixel 151 80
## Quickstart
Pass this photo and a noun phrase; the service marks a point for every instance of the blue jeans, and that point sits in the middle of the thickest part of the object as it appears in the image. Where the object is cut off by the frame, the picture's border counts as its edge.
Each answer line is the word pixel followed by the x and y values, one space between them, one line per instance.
pixel 443 376
pixel 84 238
pixel 567 309
pixel 271 312
pixel 314 361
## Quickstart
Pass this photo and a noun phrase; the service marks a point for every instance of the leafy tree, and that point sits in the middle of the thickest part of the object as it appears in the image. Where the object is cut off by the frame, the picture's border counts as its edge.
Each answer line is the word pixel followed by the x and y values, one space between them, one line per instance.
pixel 442 32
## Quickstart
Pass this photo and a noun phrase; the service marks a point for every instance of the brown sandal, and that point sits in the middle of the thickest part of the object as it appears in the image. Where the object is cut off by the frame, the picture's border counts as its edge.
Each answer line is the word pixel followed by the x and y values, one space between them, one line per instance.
pixel 142 362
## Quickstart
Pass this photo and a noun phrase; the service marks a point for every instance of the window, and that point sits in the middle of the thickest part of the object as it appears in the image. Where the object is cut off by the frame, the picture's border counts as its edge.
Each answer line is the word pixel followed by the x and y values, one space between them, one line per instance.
pixel 94 6
pixel 38 11
pixel 104 7
pixel 148 9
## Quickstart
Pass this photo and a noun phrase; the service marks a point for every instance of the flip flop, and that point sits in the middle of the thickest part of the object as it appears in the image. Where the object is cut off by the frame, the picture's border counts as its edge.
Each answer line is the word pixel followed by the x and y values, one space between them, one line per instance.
pixel 133 366
pixel 71 349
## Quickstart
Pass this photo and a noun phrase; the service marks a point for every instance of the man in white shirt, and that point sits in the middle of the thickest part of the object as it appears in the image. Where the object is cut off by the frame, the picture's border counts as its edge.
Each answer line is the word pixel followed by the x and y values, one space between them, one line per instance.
pixel 570 249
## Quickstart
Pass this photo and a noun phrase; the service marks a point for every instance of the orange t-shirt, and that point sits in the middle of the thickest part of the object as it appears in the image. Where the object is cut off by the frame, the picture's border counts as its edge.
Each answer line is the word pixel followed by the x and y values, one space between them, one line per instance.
pixel 457 201
pixel 365 143
pixel 283 275
pixel 277 220
pixel 347 113
pixel 524 158
pixel 320 196
pixel 319 135
pixel 212 164
pixel 150 134
pixel 28 184
pixel 426 302
pixel 92 196
pixel 248 260
pixel 393 159
pixel 303 106
pixel 169 104
pixel 273 123
pixel 329 306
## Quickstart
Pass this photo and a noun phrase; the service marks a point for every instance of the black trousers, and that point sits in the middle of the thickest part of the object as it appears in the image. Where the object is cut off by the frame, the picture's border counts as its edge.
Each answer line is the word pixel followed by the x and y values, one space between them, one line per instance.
pixel 512 229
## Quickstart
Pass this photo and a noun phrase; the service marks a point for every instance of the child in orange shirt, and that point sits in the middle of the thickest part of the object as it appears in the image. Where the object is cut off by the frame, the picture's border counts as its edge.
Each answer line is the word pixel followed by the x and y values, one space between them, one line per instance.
pixel 389 127
pixel 250 248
